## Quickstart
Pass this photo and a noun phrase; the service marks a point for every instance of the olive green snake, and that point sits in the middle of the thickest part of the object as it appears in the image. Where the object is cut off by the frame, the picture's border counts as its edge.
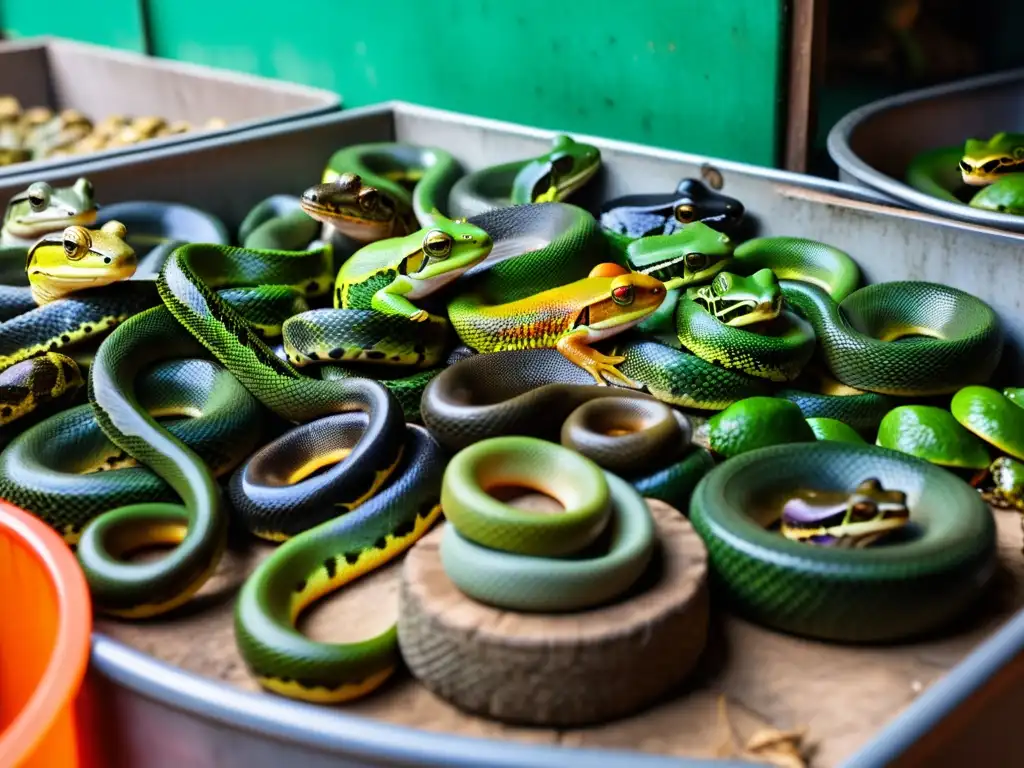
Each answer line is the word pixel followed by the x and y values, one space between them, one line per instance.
pixel 391 481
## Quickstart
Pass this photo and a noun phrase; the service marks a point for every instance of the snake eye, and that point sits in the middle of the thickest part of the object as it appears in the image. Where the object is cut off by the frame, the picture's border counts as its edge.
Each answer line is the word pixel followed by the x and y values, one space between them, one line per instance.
pixel 39 196
pixel 685 213
pixel 623 295
pixel 696 260
pixel 437 244
pixel 368 199
pixel 562 165
pixel 76 243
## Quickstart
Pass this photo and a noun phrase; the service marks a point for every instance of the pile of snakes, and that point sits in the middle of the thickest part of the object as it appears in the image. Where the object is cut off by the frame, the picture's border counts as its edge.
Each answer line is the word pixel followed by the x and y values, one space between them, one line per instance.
pixel 315 376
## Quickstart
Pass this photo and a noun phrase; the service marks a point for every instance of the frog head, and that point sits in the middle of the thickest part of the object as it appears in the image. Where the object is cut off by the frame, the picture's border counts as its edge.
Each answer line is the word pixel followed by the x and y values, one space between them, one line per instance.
pixel 624 299
pixel 695 202
pixel 693 254
pixel 357 210
pixel 441 252
pixel 60 264
pixel 41 209
pixel 856 519
pixel 556 175
pixel 984 162
pixel 739 301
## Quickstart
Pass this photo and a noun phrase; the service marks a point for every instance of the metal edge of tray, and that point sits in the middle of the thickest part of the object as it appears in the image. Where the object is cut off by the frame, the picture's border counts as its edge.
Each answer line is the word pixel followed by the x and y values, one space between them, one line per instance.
pixel 345 735
pixel 850 163
pixel 941 698
pixel 331 102
pixel 155 680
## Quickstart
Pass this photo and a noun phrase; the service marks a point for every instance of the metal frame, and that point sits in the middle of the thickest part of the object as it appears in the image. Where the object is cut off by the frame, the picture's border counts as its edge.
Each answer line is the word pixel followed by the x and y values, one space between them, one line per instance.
pixel 854 168
pixel 152 699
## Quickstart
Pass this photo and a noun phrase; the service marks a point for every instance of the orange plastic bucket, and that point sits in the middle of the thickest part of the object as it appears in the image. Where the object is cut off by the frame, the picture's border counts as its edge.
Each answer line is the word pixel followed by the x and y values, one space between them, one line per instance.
pixel 45 629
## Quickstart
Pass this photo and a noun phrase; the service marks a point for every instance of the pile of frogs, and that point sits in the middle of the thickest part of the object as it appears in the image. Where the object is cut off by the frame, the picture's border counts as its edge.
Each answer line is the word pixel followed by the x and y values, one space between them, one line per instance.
pixel 311 376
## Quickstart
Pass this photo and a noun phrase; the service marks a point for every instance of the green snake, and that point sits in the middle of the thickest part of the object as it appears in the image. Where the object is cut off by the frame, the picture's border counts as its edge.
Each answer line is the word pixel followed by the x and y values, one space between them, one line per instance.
pixel 881 594
pixel 390 480
pixel 521 561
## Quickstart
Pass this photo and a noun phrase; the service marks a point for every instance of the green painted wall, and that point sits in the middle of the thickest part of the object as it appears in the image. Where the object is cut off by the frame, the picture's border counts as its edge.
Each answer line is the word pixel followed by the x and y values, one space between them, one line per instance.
pixel 684 74
pixel 116 23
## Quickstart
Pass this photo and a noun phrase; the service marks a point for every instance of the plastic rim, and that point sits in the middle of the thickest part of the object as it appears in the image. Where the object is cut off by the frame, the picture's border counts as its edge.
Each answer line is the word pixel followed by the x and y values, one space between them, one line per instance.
pixel 65 670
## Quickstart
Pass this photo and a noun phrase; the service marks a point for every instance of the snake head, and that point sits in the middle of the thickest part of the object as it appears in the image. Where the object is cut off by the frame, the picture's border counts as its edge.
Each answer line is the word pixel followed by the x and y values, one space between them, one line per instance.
pixel 555 175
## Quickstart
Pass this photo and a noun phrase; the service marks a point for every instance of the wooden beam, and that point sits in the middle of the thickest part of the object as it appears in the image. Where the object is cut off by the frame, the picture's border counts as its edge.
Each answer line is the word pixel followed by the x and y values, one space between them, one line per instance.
pixel 807 40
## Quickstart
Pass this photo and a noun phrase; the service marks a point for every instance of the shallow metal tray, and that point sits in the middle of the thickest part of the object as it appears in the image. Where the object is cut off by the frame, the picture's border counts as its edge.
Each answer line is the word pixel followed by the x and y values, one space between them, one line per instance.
pixel 100 81
pixel 167 717
pixel 873 144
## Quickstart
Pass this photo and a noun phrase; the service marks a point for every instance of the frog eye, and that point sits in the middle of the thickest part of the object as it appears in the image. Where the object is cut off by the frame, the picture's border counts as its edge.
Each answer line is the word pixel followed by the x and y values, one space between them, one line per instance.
pixel 623 295
pixel 368 198
pixel 696 260
pixel 115 228
pixel 685 213
pixel 863 511
pixel 437 244
pixel 39 196
pixel 562 164
pixel 84 187
pixel 76 243
pixel 1018 152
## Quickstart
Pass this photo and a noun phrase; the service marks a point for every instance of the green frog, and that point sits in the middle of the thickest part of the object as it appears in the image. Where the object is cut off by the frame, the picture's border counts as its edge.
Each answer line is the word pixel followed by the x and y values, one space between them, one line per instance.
pixel 738 301
pixel 42 209
pixel 985 162
pixel 375 319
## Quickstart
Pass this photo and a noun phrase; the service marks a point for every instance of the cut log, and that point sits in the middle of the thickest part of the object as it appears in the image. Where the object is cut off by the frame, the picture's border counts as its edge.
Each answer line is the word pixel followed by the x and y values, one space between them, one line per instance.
pixel 558 670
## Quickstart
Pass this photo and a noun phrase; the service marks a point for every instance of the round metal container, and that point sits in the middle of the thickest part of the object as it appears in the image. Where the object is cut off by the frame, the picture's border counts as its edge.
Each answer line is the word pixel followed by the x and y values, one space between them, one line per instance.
pixel 873 145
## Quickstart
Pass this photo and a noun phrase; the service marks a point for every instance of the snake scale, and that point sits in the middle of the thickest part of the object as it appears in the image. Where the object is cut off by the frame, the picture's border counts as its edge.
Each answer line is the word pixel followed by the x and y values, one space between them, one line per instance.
pixel 401 317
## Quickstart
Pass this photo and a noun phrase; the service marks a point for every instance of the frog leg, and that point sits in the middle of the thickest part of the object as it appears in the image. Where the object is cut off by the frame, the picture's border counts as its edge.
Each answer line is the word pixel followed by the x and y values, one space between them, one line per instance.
pixel 392 301
pixel 576 349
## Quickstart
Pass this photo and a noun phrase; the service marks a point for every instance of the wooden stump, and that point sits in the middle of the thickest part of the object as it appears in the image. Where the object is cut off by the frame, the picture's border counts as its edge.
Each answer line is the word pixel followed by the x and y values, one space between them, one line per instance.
pixel 558 670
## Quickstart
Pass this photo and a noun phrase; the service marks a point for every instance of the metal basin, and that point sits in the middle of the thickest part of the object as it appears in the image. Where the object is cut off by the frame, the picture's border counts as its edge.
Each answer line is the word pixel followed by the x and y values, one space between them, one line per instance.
pixel 873 145
pixel 166 716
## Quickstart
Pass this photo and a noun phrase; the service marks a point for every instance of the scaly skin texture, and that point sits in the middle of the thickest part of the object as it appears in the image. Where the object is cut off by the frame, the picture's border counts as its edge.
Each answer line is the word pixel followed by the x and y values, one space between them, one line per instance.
pixel 880 594
pixel 551 177
pixel 52 469
pixel 382 523
pixel 31 384
pixel 499 555
pixel 959 343
pixel 569 318
pixel 42 209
